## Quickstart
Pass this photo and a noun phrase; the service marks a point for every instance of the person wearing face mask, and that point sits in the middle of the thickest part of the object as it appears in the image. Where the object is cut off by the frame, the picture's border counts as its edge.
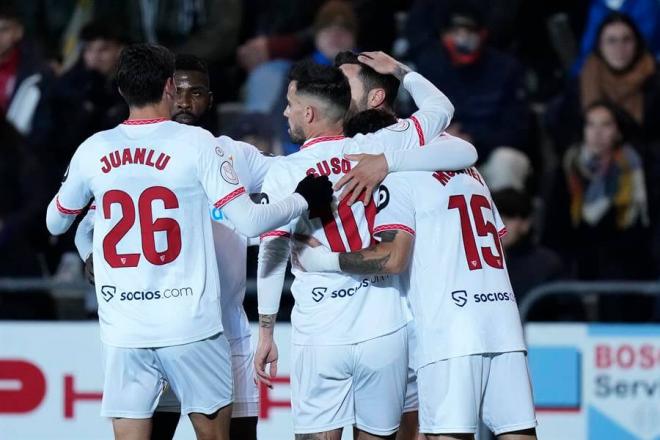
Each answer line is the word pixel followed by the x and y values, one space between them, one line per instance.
pixel 485 84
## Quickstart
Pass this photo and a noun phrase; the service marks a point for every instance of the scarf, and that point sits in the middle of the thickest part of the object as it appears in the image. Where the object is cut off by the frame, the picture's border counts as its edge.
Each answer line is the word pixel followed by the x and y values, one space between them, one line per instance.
pixel 625 89
pixel 597 185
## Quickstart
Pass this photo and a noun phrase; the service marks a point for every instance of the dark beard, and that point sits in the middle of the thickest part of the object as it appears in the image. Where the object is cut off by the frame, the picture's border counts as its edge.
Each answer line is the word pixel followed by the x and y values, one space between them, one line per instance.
pixel 297 136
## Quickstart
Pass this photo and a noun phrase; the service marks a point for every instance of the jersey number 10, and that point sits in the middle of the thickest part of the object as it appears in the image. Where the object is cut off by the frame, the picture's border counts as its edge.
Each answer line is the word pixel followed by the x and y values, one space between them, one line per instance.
pixel 348 223
pixel 484 228
pixel 148 227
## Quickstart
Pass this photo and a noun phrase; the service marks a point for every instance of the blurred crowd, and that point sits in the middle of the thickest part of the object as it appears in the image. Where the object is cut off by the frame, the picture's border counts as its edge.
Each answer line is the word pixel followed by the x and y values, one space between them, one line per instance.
pixel 560 97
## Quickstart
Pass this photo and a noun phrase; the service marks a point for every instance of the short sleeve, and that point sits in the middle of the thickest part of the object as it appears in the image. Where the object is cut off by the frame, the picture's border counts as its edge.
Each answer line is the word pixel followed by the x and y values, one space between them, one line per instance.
pixel 499 224
pixel 216 172
pixel 276 186
pixel 395 208
pixel 75 193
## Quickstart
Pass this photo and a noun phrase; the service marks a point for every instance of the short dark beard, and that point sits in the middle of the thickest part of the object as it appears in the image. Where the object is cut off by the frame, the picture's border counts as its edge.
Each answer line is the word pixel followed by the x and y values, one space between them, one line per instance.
pixel 297 136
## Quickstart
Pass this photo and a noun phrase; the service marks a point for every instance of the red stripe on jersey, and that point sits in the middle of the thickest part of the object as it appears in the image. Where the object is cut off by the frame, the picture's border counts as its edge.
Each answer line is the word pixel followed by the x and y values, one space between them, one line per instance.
pixel 420 132
pixel 321 139
pixel 275 234
pixel 394 227
pixel 64 210
pixel 144 121
pixel 229 197
pixel 502 232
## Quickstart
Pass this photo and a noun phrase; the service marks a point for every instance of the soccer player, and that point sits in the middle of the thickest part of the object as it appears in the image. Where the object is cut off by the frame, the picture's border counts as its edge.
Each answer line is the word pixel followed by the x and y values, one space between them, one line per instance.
pixel 193 101
pixel 350 357
pixel 156 274
pixel 442 230
pixel 373 90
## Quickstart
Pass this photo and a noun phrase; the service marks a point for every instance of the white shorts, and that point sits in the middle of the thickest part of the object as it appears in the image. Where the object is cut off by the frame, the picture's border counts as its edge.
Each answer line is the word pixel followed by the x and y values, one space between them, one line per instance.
pixel 361 384
pixel 454 393
pixel 199 373
pixel 246 393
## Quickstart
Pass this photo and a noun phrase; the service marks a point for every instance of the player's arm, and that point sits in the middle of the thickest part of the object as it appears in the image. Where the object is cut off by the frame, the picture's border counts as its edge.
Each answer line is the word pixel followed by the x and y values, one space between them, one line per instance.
pixel 225 191
pixel 274 253
pixel 390 256
pixel 71 199
pixel 394 225
pixel 444 153
pixel 435 109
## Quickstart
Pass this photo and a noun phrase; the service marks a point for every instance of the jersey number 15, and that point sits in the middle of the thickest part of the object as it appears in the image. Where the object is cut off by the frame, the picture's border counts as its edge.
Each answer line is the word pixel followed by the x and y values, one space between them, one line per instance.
pixel 484 228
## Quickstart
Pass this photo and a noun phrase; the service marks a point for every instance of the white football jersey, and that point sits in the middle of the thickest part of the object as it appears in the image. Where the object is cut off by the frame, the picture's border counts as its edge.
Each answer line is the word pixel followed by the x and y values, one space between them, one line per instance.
pixel 458 285
pixel 230 245
pixel 155 266
pixel 338 308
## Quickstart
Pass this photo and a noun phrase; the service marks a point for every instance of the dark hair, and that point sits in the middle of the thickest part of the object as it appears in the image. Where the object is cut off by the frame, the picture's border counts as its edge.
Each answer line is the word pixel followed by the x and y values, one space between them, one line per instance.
pixel 325 82
pixel 628 127
pixel 192 63
pixel 8 11
pixel 618 17
pixel 370 78
pixel 461 13
pixel 368 121
pixel 513 203
pixel 142 72
pixel 102 30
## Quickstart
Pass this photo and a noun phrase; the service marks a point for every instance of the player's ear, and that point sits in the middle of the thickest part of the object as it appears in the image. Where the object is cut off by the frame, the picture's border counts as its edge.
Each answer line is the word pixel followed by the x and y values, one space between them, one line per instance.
pixel 170 88
pixel 210 99
pixel 376 98
pixel 310 114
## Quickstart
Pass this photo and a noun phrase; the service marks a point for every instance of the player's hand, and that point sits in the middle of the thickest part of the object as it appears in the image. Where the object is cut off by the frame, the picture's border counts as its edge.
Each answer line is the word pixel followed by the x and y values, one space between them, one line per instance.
pixel 317 191
pixel 266 354
pixel 363 177
pixel 384 64
pixel 89 269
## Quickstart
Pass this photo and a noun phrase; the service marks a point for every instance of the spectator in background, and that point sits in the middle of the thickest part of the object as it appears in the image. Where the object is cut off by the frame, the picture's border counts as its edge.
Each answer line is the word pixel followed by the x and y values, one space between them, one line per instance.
pixel 20 213
pixel 335 31
pixel 621 70
pixel 644 13
pixel 88 92
pixel 507 167
pixel 486 86
pixel 530 264
pixel 607 201
pixel 25 80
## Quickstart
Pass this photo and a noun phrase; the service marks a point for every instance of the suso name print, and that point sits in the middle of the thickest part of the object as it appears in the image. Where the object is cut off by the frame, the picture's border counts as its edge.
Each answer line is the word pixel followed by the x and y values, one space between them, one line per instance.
pixel 333 166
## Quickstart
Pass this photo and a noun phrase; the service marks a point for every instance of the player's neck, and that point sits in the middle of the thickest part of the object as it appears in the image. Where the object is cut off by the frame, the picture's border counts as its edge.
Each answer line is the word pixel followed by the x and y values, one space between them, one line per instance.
pixel 326 130
pixel 153 111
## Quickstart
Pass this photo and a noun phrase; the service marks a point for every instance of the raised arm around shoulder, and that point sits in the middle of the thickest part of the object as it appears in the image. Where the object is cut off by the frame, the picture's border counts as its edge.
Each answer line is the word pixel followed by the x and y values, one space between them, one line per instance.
pixel 445 153
pixel 435 110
